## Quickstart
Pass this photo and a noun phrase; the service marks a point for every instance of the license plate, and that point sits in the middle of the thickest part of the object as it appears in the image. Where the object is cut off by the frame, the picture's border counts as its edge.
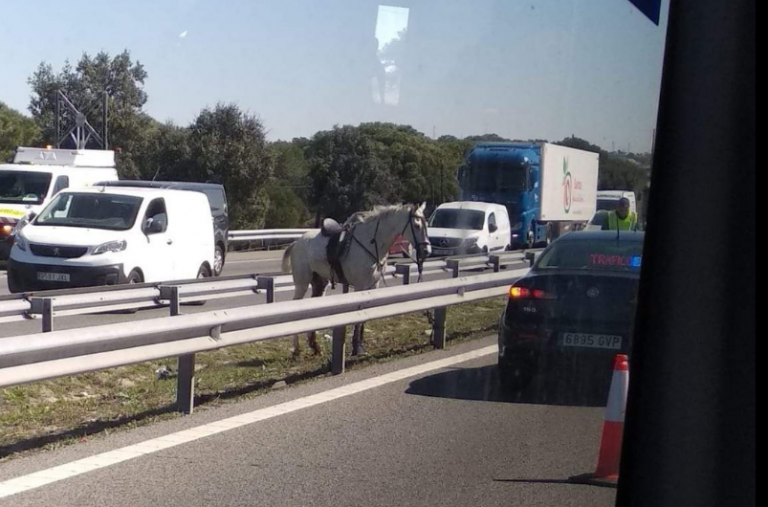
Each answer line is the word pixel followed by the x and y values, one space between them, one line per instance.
pixel 592 341
pixel 440 251
pixel 53 277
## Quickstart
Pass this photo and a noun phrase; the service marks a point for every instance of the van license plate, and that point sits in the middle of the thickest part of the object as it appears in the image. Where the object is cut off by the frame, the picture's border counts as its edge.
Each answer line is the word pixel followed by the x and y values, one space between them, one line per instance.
pixel 53 277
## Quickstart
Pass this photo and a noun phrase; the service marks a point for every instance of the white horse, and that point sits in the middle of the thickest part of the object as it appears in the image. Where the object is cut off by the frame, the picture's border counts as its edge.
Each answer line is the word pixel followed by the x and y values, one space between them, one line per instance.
pixel 372 234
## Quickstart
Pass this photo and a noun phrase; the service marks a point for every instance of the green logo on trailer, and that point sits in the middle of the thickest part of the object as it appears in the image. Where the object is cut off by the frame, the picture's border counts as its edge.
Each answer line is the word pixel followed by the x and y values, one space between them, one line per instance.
pixel 567 187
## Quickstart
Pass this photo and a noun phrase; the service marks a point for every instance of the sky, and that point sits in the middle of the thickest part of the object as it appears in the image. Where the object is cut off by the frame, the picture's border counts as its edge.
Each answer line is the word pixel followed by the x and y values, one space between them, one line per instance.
pixel 534 69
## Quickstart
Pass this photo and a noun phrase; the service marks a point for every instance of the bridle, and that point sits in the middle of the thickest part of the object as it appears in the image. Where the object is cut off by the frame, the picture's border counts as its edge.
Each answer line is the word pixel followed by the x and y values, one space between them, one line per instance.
pixel 421 247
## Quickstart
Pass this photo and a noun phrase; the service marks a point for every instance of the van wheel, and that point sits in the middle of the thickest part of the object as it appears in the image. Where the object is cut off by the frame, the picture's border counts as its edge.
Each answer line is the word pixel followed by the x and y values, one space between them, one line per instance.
pixel 134 277
pixel 203 272
pixel 218 260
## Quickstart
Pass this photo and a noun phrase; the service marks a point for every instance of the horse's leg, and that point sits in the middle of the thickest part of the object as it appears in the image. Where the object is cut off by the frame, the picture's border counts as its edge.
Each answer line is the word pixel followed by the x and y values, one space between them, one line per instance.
pixel 300 291
pixel 356 340
pixel 319 285
pixel 358 336
pixel 358 346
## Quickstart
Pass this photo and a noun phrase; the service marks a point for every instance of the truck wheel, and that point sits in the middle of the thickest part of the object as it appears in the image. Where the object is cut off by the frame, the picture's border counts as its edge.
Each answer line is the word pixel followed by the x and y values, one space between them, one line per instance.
pixel 529 239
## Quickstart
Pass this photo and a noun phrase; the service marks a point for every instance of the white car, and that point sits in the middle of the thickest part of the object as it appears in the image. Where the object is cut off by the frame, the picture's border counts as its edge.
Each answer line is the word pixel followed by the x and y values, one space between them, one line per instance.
pixel 458 228
pixel 107 236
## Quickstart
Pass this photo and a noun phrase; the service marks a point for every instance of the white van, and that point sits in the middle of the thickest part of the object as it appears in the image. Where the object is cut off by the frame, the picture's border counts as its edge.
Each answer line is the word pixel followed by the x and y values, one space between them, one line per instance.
pixel 106 236
pixel 607 199
pixel 37 175
pixel 458 228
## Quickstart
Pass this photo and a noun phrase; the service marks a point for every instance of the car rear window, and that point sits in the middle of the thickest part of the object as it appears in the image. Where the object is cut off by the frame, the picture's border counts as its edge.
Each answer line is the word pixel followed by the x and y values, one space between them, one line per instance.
pixel 593 254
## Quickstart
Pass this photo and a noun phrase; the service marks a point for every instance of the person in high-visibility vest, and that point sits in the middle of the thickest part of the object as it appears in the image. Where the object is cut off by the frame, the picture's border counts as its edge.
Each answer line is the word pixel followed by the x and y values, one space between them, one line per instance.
pixel 622 218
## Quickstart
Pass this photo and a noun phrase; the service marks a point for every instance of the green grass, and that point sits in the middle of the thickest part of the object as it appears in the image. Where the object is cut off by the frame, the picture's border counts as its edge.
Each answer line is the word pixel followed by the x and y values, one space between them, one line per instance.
pixel 66 410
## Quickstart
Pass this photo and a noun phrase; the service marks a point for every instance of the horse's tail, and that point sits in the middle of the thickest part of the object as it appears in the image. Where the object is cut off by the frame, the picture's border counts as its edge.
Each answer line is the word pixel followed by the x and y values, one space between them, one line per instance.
pixel 287 258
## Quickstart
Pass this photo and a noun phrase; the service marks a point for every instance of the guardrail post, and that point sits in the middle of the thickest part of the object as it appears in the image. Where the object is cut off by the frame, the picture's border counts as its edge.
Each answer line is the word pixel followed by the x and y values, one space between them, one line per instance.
pixel 267 284
pixel 47 315
pixel 438 328
pixel 185 381
pixel 339 350
pixel 404 270
pixel 44 308
pixel 339 346
pixel 454 266
pixel 496 263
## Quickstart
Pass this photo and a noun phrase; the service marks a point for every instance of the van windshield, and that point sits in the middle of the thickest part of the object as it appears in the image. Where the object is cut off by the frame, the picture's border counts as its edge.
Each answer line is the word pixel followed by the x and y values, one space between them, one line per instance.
pixel 607 204
pixel 458 219
pixel 24 187
pixel 93 211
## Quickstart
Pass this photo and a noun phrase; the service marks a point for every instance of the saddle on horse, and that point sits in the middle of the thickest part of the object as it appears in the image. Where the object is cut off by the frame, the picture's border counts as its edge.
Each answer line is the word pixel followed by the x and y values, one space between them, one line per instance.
pixel 338 242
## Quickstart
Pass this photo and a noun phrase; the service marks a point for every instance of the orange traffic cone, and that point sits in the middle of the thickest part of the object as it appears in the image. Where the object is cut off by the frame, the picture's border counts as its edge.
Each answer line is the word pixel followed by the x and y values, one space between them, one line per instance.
pixel 607 472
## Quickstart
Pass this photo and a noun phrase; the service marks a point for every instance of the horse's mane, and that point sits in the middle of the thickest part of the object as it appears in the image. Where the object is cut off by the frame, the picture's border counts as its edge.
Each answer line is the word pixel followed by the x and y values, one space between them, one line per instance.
pixel 377 212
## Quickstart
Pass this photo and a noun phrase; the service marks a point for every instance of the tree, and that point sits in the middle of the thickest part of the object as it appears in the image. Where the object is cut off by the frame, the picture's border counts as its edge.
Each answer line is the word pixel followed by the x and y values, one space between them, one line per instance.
pixel 166 154
pixel 616 172
pixel 488 138
pixel 347 173
pixel 286 209
pixel 85 84
pixel 621 174
pixel 581 144
pixel 15 130
pixel 229 147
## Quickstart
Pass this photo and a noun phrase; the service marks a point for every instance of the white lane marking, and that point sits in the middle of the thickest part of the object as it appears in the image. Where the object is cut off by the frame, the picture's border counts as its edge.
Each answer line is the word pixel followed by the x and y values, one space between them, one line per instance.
pixel 44 477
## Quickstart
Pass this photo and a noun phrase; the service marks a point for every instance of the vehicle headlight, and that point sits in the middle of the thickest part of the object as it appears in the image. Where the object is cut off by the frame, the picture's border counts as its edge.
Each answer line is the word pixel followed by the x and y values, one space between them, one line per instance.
pixel 21 223
pixel 518 226
pixel 112 247
pixel 20 241
pixel 470 242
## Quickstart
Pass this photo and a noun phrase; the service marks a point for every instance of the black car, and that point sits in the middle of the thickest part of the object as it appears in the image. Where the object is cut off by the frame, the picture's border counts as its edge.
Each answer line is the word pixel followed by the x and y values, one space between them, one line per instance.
pixel 574 309
pixel 217 198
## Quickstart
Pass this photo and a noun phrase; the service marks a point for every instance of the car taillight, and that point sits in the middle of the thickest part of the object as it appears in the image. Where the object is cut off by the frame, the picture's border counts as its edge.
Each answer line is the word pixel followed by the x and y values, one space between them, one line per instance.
pixel 519 293
pixel 526 293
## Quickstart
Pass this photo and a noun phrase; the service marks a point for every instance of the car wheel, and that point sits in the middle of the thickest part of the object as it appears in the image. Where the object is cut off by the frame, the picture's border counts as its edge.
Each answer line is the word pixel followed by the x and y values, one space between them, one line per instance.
pixel 218 260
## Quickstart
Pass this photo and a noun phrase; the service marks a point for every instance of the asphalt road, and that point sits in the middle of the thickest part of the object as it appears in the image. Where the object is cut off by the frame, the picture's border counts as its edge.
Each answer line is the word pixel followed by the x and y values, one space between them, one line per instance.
pixel 446 437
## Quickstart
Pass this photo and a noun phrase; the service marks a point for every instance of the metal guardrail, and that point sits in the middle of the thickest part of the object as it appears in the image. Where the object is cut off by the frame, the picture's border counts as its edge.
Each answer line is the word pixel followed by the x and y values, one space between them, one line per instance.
pixel 267 234
pixel 45 356
pixel 49 305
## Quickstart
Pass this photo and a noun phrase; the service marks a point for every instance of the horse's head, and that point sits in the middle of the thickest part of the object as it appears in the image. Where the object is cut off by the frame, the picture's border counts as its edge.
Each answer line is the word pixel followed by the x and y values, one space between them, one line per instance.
pixel 416 231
